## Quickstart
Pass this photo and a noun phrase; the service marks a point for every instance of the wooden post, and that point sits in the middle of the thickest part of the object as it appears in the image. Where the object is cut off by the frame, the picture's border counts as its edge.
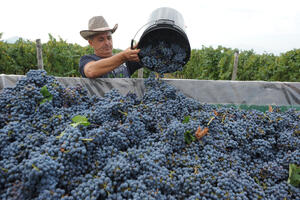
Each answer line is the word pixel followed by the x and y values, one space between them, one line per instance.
pixel 39 54
pixel 235 65
pixel 141 73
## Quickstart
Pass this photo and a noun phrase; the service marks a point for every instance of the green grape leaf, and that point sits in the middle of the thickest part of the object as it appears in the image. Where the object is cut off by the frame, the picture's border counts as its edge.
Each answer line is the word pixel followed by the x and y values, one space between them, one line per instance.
pixel 186 119
pixel 294 175
pixel 189 137
pixel 46 94
pixel 80 120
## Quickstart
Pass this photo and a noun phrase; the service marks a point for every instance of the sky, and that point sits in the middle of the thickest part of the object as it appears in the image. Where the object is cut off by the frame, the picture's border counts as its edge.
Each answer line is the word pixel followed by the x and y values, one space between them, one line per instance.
pixel 264 26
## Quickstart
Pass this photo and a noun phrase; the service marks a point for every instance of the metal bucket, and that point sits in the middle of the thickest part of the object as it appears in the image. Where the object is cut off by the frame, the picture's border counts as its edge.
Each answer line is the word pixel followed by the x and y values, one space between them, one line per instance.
pixel 166 24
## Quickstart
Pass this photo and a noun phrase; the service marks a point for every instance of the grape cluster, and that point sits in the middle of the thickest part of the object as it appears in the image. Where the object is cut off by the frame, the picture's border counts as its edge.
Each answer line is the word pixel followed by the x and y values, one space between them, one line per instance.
pixel 163 57
pixel 136 148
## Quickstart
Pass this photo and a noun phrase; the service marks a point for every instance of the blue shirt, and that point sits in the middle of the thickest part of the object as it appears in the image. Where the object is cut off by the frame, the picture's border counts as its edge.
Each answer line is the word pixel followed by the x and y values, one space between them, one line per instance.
pixel 125 70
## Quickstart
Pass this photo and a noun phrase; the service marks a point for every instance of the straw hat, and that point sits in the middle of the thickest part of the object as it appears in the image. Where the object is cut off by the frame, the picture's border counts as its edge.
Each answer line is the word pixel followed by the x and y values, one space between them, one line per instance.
pixel 97 24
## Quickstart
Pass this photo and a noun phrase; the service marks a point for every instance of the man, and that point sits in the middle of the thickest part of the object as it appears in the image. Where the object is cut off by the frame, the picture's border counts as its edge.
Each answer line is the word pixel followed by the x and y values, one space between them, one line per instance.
pixel 103 63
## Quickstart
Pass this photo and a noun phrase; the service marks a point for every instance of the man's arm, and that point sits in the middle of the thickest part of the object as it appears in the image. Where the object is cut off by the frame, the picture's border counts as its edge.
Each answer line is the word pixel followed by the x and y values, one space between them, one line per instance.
pixel 98 68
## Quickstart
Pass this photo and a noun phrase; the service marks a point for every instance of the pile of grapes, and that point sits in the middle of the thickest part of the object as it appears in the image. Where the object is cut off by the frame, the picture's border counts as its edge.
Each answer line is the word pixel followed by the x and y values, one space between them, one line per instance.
pixel 163 57
pixel 60 143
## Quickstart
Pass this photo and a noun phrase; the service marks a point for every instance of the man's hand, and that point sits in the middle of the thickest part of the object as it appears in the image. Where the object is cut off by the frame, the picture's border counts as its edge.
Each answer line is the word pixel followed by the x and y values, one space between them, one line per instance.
pixel 98 68
pixel 131 54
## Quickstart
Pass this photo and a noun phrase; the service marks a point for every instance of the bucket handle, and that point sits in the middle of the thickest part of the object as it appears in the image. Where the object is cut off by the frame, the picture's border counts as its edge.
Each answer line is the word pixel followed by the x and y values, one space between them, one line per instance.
pixel 132 40
pixel 155 21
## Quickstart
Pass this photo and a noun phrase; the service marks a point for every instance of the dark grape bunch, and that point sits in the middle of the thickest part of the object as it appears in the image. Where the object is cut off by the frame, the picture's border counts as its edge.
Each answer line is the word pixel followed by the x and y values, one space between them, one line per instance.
pixel 60 143
pixel 163 57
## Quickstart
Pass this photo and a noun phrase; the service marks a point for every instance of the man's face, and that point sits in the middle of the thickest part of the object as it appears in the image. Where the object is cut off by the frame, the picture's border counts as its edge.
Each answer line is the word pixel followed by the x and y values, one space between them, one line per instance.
pixel 102 44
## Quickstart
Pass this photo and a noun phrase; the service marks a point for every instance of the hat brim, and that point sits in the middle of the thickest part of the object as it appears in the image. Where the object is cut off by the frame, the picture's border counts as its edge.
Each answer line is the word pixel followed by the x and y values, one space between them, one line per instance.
pixel 86 34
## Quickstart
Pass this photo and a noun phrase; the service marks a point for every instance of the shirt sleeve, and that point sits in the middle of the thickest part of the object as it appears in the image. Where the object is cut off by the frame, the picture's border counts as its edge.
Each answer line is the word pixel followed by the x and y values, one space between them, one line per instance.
pixel 133 66
pixel 83 61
